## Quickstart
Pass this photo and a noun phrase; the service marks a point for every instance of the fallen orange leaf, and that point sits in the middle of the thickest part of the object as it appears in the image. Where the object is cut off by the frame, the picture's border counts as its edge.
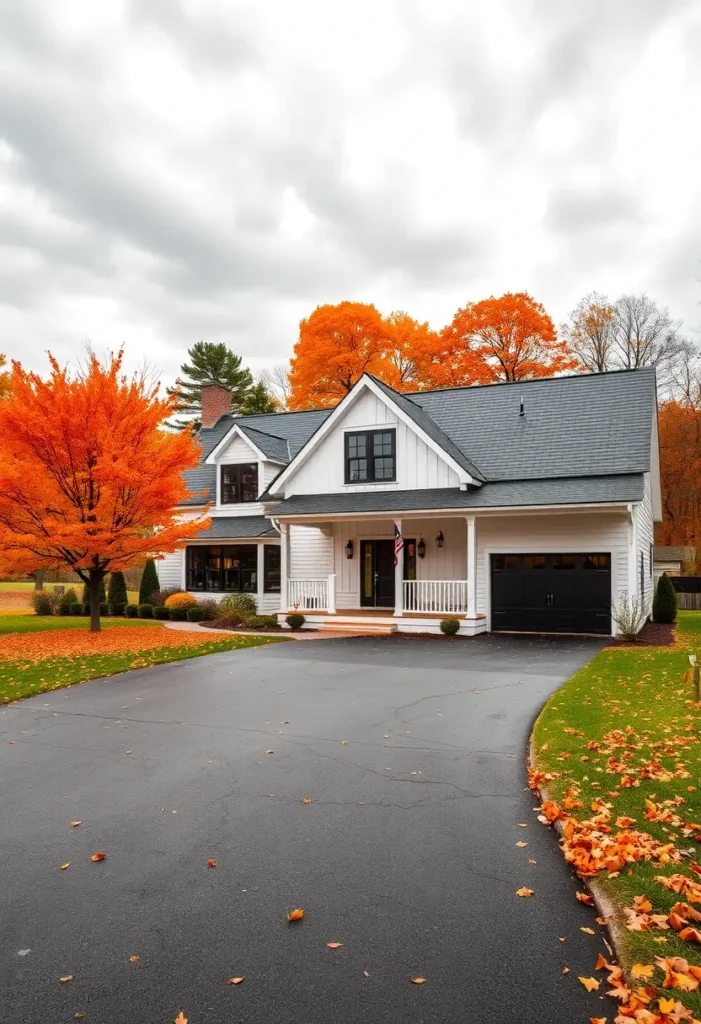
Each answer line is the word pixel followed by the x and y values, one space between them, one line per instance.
pixel 133 959
pixel 74 824
pixel 344 743
pixel 601 962
pixel 236 981
pixel 334 945
pixel 639 972
pixel 598 1020
pixel 666 1005
pixel 588 931
pixel 523 891
pixel 584 897
pixel 418 981
pixel 211 863
pixel 181 1018
pixel 295 915
pixel 270 751
pixel 690 935
pixel 79 1014
pixel 306 800
pixel 98 856
pixel 66 977
pixel 66 865
pixel 521 844
pixel 642 905
pixel 590 984
pixel 565 970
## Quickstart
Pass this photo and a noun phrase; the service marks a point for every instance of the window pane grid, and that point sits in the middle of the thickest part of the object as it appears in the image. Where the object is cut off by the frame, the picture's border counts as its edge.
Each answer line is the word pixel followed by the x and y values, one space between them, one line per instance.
pixel 239 483
pixel 231 568
pixel 370 455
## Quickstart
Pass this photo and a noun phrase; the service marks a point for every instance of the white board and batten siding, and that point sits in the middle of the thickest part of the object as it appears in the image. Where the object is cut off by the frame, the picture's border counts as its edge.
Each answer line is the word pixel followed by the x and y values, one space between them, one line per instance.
pixel 596 532
pixel 418 466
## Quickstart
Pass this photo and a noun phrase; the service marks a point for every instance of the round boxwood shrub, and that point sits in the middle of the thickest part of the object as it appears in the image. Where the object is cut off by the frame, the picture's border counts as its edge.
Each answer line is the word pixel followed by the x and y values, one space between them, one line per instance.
pixel 145 611
pixel 450 626
pixel 76 608
pixel 149 582
pixel 229 620
pixel 664 605
pixel 132 610
pixel 178 614
pixel 117 609
pixel 43 602
pixel 180 600
pixel 295 620
pixel 117 592
pixel 67 598
pixel 195 614
pixel 161 612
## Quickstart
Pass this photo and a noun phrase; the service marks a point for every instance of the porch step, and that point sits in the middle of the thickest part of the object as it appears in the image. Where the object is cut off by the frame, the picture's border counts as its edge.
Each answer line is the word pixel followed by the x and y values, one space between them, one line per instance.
pixel 337 625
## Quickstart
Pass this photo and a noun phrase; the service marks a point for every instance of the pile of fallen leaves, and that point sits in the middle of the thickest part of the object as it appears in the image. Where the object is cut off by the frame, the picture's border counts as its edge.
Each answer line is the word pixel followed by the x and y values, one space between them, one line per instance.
pixel 35 647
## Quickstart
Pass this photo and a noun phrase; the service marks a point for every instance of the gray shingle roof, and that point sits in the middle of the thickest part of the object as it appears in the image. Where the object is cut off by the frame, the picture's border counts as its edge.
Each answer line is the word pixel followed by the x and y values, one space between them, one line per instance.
pixel 590 425
pixel 500 494
pixel 235 527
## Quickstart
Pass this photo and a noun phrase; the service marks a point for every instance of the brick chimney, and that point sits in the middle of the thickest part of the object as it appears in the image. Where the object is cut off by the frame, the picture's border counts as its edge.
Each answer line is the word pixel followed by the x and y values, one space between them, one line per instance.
pixel 216 401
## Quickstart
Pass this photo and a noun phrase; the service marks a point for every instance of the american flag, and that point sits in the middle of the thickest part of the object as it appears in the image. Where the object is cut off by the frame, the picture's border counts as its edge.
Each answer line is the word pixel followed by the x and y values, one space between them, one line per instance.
pixel 398 542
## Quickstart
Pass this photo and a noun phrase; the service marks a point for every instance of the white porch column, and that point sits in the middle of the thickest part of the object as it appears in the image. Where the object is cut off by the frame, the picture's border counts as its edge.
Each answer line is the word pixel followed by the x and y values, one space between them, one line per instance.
pixel 471 567
pixel 260 576
pixel 284 566
pixel 399 576
pixel 331 609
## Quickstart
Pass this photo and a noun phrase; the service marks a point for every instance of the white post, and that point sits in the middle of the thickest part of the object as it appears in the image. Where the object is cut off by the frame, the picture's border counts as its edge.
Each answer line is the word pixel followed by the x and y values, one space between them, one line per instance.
pixel 260 577
pixel 284 566
pixel 471 567
pixel 332 594
pixel 399 576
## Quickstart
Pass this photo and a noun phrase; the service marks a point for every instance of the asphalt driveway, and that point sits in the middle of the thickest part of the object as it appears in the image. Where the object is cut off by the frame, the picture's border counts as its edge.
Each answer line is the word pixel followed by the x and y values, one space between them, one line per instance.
pixel 412 752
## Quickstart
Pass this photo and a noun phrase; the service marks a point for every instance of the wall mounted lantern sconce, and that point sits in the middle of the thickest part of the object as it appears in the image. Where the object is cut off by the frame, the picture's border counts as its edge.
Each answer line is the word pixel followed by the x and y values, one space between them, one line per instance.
pixel 421 549
pixel 440 539
pixel 349 549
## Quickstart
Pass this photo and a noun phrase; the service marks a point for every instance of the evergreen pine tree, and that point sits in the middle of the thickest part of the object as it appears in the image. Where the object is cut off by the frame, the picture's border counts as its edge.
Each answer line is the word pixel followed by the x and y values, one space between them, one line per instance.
pixel 149 582
pixel 117 590
pixel 209 364
pixel 664 605
pixel 258 401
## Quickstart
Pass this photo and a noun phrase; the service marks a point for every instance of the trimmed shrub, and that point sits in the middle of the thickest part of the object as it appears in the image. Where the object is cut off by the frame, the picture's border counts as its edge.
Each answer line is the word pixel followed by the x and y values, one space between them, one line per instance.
pixel 178 614
pixel 117 609
pixel 149 583
pixel 195 614
pixel 229 620
pixel 161 612
pixel 159 597
pixel 76 608
pixel 180 600
pixel 261 621
pixel 450 626
pixel 132 610
pixel 67 598
pixel 117 592
pixel 104 608
pixel 210 607
pixel 244 603
pixel 295 620
pixel 43 602
pixel 664 605
pixel 145 611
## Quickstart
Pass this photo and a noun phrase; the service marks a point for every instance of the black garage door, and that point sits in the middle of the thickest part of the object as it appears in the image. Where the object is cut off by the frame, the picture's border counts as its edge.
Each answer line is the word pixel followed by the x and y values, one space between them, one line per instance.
pixel 552 593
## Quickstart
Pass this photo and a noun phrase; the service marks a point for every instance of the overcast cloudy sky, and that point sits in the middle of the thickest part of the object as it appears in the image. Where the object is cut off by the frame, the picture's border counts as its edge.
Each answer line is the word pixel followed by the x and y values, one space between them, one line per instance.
pixel 175 170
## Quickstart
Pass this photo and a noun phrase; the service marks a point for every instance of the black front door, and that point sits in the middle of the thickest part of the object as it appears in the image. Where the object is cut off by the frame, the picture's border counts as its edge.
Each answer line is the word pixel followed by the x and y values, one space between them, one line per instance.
pixel 377 573
pixel 567 593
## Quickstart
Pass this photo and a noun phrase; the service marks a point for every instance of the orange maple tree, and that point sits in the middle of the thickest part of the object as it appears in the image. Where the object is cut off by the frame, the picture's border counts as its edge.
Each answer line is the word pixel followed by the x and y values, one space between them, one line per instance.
pixel 680 471
pixel 4 378
pixel 411 351
pixel 500 339
pixel 88 475
pixel 336 346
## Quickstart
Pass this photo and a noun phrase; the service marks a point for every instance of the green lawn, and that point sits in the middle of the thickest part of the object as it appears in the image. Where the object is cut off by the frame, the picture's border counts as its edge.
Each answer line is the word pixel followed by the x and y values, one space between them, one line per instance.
pixel 643 690
pixel 40 623
pixel 132 595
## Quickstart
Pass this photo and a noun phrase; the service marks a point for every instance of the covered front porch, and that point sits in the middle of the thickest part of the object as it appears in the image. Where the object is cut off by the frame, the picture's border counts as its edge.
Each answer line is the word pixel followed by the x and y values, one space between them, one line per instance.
pixel 344 573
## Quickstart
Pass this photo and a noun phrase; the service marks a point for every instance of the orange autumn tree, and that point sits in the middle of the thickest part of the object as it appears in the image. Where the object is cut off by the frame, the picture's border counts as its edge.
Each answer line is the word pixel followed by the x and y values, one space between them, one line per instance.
pixel 500 339
pixel 412 347
pixel 680 470
pixel 4 378
pixel 88 474
pixel 336 346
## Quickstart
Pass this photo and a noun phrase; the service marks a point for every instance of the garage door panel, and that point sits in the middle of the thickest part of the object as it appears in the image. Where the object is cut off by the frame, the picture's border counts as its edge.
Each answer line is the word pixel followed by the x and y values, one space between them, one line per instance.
pixel 561 593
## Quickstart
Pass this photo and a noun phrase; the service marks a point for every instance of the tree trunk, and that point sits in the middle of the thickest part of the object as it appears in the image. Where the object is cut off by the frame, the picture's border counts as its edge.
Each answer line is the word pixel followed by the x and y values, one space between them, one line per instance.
pixel 39 579
pixel 94 588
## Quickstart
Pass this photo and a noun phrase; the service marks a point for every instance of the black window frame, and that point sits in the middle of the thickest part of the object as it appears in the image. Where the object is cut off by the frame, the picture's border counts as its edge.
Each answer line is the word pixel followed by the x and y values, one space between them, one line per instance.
pixel 237 487
pixel 268 550
pixel 642 576
pixel 200 571
pixel 369 457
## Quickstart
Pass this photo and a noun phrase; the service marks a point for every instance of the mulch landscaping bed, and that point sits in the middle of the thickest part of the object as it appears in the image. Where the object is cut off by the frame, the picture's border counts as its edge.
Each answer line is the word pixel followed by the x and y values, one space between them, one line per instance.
pixel 653 634
pixel 213 624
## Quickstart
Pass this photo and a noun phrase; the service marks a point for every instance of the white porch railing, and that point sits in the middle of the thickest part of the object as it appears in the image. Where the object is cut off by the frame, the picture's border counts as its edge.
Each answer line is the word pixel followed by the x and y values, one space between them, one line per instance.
pixel 312 595
pixel 442 596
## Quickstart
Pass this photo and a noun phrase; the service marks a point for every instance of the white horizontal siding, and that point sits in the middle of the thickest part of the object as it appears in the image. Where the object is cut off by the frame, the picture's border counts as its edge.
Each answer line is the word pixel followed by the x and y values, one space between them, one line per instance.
pixel 311 553
pixel 644 534
pixel 170 570
pixel 602 532
pixel 418 466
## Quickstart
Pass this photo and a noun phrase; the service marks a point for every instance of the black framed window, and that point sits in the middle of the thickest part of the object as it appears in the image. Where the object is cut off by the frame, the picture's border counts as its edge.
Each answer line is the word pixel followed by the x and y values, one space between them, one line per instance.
pixel 223 568
pixel 642 576
pixel 409 559
pixel 371 456
pixel 239 483
pixel 652 561
pixel 271 568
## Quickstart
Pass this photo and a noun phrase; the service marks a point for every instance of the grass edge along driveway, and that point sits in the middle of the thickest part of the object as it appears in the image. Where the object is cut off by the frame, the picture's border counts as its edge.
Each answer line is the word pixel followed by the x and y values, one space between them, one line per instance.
pixel 617 753
pixel 27 676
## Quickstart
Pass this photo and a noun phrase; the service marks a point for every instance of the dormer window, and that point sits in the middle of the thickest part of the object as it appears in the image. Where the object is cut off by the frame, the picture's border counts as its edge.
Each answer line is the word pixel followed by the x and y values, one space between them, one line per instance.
pixel 239 483
pixel 370 456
